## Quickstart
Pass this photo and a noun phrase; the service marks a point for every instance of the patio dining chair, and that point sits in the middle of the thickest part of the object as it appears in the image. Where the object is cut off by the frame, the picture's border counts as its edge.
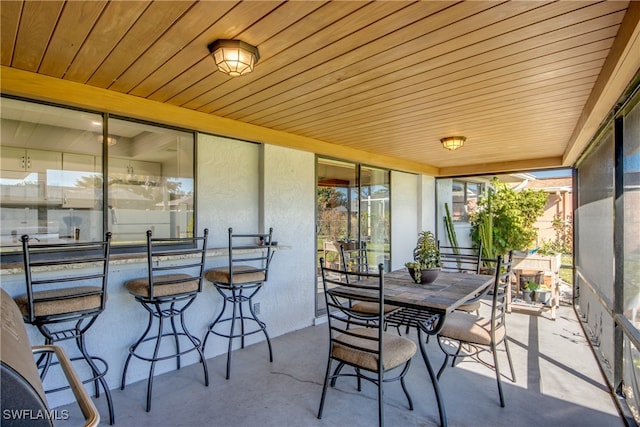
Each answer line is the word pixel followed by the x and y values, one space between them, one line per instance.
pixel 481 334
pixel 369 350
pixel 356 260
pixel 463 259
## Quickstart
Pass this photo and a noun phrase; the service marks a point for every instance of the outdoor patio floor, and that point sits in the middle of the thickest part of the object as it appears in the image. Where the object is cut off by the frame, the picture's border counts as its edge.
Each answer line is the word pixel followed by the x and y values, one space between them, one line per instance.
pixel 558 383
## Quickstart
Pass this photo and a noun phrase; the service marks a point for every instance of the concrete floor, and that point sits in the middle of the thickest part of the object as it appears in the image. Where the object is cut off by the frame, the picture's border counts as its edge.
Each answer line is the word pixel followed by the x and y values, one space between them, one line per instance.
pixel 558 383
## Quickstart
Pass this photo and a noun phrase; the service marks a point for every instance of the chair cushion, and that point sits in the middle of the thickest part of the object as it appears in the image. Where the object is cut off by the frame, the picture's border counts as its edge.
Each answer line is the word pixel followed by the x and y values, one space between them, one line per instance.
pixel 473 306
pixel 70 304
pixel 467 327
pixel 140 286
pixel 396 350
pixel 241 274
pixel 372 307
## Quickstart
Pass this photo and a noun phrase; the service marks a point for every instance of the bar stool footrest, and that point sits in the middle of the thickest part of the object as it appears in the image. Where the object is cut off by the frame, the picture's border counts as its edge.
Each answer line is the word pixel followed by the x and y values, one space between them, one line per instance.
pixel 101 372
pixel 261 327
pixel 190 348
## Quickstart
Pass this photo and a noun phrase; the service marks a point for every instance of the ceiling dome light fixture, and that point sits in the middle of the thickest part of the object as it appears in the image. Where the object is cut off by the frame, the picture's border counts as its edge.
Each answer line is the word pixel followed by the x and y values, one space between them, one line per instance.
pixel 234 57
pixel 453 142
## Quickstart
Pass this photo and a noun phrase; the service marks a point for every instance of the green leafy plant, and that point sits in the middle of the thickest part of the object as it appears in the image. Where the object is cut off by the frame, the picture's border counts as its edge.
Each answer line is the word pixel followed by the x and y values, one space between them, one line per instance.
pixel 426 254
pixel 531 286
pixel 504 218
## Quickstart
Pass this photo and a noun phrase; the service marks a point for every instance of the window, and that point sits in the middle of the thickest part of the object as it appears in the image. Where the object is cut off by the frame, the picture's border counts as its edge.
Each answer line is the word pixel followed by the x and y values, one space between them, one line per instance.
pixel 464 199
pixel 52 177
pixel 50 174
pixel 150 181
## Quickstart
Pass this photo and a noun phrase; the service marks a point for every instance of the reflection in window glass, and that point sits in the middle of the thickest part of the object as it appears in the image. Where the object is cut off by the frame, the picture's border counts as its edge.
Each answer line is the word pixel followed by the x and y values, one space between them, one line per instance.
pixel 631 182
pixel 352 205
pixel 375 215
pixel 464 199
pixel 51 174
pixel 151 183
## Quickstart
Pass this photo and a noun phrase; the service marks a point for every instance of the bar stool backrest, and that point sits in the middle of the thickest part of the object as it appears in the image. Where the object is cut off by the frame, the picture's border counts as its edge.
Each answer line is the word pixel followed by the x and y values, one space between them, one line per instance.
pixel 164 256
pixel 243 254
pixel 65 273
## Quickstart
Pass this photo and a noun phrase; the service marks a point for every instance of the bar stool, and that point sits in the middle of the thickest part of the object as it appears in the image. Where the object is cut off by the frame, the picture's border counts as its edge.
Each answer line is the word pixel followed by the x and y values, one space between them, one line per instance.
pixel 66 291
pixel 238 283
pixel 166 294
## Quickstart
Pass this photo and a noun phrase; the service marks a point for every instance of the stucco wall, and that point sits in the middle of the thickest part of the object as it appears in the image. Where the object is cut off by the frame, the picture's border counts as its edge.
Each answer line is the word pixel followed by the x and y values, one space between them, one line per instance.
pixel 404 219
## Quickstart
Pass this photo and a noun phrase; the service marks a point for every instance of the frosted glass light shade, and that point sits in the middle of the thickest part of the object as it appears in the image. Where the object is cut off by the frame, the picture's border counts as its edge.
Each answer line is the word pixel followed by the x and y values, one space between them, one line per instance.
pixel 234 57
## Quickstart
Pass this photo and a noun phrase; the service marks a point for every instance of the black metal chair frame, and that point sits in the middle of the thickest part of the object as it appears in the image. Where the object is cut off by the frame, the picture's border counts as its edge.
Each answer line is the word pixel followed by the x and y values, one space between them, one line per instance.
pixel 160 271
pixel 83 263
pixel 357 260
pixel 241 293
pixel 460 258
pixel 498 312
pixel 338 310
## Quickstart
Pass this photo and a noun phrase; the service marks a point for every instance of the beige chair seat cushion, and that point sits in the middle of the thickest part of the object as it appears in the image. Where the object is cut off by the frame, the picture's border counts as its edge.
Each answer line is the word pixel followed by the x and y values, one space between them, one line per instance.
pixel 70 304
pixel 242 274
pixel 471 307
pixel 372 307
pixel 140 286
pixel 396 350
pixel 469 328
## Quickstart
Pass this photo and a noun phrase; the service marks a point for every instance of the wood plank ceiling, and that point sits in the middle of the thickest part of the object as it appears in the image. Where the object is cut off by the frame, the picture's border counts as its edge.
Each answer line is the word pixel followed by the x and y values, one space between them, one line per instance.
pixel 389 77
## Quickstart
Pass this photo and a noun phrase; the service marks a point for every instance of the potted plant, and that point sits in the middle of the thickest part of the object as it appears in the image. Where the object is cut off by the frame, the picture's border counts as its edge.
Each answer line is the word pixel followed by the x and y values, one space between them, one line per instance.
pixel 426 259
pixel 529 290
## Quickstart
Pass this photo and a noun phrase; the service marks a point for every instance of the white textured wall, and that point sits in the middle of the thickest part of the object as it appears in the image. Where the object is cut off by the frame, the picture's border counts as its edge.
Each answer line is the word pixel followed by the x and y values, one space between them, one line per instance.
pixel 412 211
pixel 405 202
pixel 228 186
pixel 289 207
pixel 428 197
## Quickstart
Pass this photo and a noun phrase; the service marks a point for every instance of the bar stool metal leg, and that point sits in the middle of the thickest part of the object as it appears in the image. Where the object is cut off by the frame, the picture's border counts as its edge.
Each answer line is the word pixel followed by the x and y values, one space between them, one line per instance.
pixel 236 299
pixel 158 313
pixel 77 333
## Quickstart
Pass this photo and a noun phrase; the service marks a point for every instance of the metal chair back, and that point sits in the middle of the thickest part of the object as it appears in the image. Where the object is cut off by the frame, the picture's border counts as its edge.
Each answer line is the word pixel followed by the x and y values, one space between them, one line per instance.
pixel 62 272
pixel 460 258
pixel 338 300
pixel 242 254
pixel 499 299
pixel 162 253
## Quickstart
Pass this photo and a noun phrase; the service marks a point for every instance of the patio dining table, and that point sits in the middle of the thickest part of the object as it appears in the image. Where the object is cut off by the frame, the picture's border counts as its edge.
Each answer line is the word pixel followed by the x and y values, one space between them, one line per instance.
pixel 425 307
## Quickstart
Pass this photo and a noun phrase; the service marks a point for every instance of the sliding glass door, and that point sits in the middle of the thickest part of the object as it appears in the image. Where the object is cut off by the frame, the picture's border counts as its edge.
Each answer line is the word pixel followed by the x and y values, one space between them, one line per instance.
pixel 352 209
